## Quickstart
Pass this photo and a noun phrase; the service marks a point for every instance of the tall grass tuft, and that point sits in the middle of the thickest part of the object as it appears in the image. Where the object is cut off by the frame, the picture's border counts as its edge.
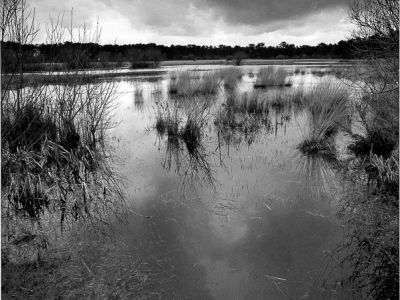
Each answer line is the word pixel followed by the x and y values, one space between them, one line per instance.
pixel 379 119
pixel 168 120
pixel 328 106
pixel 138 97
pixel 209 84
pixel 54 150
pixel 269 76
pixel 138 91
pixel 246 103
pixel 185 84
pixel 281 98
pixel 230 76
pixel 185 122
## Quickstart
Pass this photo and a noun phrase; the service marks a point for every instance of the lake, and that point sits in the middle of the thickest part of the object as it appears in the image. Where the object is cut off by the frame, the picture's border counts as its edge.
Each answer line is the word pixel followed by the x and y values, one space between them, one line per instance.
pixel 247 216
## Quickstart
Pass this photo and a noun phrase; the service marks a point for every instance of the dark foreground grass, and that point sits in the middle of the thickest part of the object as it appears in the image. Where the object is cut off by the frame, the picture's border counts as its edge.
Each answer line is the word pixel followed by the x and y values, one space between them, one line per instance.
pixel 370 251
pixel 379 118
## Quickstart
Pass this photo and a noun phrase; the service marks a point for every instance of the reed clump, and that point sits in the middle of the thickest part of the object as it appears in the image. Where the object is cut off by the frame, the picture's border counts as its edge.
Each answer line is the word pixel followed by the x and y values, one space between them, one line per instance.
pixel 183 122
pixel 138 91
pixel 209 84
pixel 168 120
pixel 328 106
pixel 282 98
pixel 53 150
pixel 380 122
pixel 246 103
pixel 243 122
pixel 185 84
pixel 270 76
pixel 230 76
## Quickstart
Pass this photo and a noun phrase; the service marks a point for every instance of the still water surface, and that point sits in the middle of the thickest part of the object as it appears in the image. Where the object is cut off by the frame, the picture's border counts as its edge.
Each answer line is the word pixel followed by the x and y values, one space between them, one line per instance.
pixel 253 220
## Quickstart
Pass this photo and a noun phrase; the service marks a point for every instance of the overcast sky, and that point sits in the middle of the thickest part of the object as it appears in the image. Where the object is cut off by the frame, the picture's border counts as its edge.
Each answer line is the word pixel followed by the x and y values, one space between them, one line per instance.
pixel 206 22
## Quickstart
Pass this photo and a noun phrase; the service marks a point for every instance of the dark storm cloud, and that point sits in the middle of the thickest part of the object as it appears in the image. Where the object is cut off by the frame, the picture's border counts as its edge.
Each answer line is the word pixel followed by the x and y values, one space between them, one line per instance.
pixel 257 12
pixel 182 16
pixel 209 21
pixel 177 17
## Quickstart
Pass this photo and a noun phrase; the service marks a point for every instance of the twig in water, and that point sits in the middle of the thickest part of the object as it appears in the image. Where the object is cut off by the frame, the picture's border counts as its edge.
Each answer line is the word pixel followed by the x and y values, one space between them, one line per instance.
pixel 90 271
pixel 140 215
pixel 267 206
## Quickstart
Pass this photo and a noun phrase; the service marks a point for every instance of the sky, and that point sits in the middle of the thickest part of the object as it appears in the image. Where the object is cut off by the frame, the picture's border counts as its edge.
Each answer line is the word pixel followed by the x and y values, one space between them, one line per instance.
pixel 204 22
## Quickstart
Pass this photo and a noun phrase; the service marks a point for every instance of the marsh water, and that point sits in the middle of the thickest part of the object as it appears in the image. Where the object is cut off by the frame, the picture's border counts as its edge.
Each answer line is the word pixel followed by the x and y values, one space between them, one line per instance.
pixel 245 217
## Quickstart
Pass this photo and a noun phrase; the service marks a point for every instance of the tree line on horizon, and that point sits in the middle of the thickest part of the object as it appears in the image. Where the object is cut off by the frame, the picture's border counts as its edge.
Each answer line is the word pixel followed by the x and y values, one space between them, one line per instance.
pixel 146 55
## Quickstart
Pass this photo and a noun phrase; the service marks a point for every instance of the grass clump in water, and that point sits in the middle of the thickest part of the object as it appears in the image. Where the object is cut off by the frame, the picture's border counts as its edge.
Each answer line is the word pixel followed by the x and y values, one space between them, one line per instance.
pixel 328 107
pixel 246 103
pixel 168 120
pixel 138 97
pixel 209 84
pixel 269 76
pixel 184 122
pixel 185 84
pixel 230 76
pixel 282 98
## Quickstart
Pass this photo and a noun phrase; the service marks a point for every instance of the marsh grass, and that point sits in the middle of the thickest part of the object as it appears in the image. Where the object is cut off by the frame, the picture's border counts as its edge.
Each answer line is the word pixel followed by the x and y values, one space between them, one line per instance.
pixel 209 84
pixel 138 90
pixel 318 171
pixel 187 84
pixel 53 153
pixel 242 122
pixel 244 113
pixel 270 76
pixel 370 249
pixel 191 161
pixel 168 119
pixel 386 172
pixel 138 97
pixel 248 102
pixel 236 128
pixel 257 103
pixel 183 124
pixel 299 71
pixel 282 98
pixel 328 106
pixel 230 76
pixel 184 120
pixel 57 166
pixel 157 90
pixel 316 147
pixel 380 122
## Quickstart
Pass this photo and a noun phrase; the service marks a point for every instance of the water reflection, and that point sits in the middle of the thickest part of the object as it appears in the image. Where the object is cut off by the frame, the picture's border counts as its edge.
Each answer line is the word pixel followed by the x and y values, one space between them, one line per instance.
pixel 235 211
pixel 190 163
pixel 320 176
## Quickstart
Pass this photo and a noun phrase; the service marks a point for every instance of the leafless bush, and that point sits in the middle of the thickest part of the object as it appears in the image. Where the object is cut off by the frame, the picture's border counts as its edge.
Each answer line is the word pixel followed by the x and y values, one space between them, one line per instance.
pixel 56 165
